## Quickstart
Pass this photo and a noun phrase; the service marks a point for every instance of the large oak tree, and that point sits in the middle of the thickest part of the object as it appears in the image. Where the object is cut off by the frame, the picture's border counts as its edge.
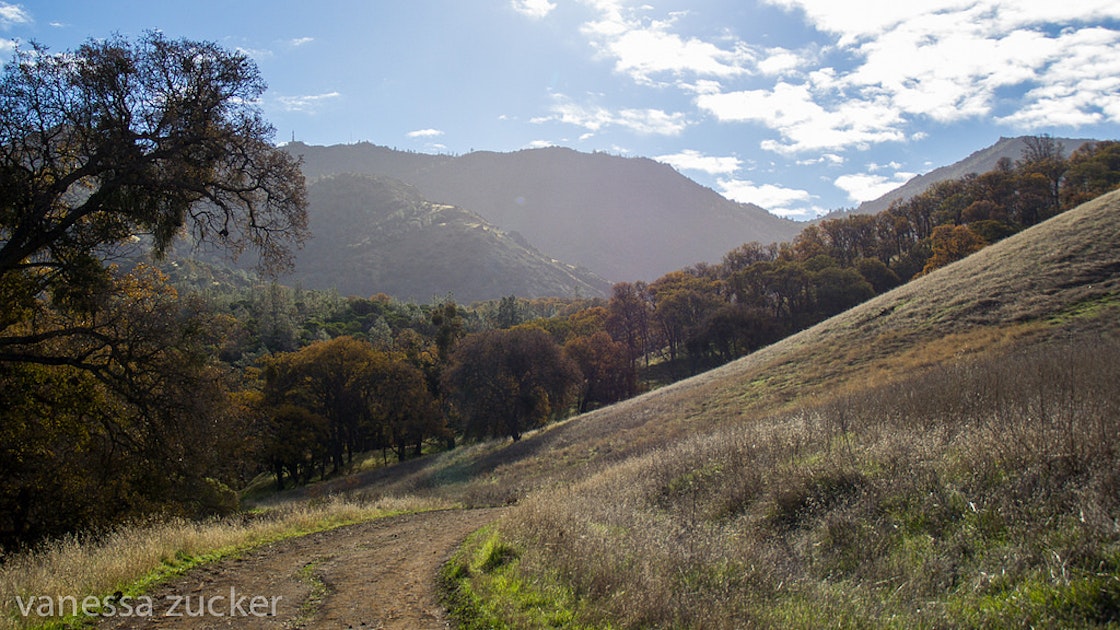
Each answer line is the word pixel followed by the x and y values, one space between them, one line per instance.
pixel 119 141
pixel 108 377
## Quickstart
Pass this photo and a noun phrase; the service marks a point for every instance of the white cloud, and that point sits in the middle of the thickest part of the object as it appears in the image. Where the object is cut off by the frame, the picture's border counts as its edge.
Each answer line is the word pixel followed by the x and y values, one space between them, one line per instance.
pixel 12 14
pixel 867 186
pixel 644 49
pixel 692 160
pixel 803 123
pixel 425 133
pixel 702 86
pixel 877 74
pixel 300 41
pixel 873 17
pixel 540 144
pixel 782 201
pixel 594 118
pixel 892 66
pixel 536 9
pixel 1079 87
pixel 255 53
pixel 780 60
pixel 651 121
pixel 825 158
pixel 949 60
pixel 308 104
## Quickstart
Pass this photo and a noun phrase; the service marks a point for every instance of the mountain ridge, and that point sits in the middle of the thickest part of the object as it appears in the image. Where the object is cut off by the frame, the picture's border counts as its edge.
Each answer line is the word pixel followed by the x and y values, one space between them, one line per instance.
pixel 374 234
pixel 623 218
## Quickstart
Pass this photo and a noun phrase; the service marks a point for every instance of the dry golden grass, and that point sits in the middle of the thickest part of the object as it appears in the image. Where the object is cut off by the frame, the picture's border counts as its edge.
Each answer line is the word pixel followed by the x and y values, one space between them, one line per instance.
pixel 943 455
pixel 899 504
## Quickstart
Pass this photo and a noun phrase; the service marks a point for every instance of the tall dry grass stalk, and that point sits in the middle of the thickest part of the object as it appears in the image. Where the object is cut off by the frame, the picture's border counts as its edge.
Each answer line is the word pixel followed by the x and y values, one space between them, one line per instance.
pixel 130 557
pixel 957 497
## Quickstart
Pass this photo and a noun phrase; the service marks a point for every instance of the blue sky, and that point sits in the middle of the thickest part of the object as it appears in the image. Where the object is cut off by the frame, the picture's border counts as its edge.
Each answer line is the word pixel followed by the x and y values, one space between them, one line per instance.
pixel 800 106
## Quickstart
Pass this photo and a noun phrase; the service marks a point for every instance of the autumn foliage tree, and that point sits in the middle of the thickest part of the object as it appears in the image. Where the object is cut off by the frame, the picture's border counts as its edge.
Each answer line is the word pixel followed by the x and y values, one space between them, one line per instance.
pixel 367 399
pixel 608 374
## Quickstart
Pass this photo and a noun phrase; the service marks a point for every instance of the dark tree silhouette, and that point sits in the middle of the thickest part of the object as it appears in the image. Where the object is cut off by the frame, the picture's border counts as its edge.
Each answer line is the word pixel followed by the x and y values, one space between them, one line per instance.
pixel 505 382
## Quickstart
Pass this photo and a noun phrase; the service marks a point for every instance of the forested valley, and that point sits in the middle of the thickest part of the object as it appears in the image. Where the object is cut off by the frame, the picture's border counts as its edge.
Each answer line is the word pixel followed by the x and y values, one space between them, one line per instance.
pixel 133 384
pixel 232 378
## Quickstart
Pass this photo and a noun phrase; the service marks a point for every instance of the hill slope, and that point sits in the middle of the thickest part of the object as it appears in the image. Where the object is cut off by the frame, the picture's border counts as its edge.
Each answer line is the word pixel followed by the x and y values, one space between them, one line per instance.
pixel 623 218
pixel 943 455
pixel 1057 280
pixel 377 235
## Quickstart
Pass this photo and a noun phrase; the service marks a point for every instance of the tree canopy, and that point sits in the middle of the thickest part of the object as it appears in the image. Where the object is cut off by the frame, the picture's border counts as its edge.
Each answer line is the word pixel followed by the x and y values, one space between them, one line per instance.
pixel 506 382
pixel 112 400
pixel 119 142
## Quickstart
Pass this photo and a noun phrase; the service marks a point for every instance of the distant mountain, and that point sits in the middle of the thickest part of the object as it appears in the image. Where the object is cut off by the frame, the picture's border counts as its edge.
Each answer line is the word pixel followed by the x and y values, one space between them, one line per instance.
pixel 374 234
pixel 623 218
pixel 981 161
pixel 362 158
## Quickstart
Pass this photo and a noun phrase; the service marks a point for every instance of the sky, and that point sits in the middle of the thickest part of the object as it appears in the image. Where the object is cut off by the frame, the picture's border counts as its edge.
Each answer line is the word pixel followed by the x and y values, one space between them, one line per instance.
pixel 799 106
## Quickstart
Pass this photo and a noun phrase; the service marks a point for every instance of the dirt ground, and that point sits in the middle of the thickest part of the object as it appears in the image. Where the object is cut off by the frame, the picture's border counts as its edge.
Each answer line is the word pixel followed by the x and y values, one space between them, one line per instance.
pixel 380 574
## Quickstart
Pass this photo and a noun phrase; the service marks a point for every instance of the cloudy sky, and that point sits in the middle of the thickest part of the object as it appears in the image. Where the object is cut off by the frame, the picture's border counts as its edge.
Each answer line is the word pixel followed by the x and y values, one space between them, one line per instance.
pixel 800 106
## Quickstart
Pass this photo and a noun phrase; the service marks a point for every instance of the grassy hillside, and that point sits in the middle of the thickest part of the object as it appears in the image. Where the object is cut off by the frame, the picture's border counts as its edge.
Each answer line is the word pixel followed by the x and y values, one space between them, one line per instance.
pixel 1058 280
pixel 943 455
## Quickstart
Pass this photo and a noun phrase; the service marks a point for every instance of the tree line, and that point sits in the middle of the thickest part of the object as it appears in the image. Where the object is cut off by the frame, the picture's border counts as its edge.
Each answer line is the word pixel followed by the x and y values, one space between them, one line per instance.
pixel 504 367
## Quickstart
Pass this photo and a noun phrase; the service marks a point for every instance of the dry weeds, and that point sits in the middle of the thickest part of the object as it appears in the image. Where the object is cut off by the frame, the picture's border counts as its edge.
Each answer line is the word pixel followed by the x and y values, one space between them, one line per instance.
pixel 910 502
pixel 943 455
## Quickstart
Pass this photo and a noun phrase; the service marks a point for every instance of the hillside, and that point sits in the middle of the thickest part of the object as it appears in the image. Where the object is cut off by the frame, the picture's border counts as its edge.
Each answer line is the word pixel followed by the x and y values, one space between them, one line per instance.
pixel 377 235
pixel 362 158
pixel 980 161
pixel 624 219
pixel 944 455
pixel 952 442
pixel 1024 290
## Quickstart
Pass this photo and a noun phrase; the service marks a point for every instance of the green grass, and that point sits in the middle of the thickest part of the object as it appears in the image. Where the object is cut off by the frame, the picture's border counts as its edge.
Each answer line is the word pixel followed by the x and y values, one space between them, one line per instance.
pixel 485 589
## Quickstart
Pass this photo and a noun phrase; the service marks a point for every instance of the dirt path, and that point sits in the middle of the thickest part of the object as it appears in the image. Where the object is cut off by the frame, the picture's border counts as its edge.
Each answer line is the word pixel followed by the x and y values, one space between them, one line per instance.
pixel 380 574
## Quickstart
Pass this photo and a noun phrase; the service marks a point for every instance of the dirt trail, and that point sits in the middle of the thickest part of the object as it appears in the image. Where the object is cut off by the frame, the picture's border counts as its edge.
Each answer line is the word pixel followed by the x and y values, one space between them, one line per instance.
pixel 380 574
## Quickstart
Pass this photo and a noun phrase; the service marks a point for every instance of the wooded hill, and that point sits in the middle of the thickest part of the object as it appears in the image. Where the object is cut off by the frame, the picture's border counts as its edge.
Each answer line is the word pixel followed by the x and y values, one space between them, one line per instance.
pixel 624 219
pixel 372 234
pixel 981 161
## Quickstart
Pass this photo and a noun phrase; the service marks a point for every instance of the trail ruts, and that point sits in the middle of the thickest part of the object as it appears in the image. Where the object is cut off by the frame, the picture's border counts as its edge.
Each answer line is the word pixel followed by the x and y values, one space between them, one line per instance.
pixel 380 574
